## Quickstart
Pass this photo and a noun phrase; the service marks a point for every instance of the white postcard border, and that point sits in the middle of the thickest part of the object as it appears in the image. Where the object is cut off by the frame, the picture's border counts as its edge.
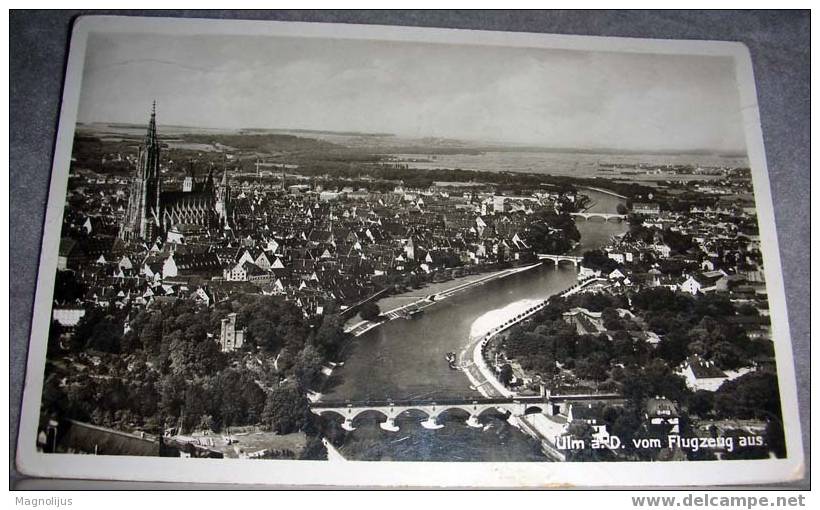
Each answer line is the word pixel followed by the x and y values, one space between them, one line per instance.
pixel 406 474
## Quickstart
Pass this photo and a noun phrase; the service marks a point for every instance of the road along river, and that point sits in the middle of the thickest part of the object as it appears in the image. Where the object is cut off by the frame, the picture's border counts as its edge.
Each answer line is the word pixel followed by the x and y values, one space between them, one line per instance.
pixel 405 359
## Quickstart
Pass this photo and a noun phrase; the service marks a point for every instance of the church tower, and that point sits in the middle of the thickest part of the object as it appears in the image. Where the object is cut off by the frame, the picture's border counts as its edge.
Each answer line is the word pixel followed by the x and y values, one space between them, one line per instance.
pixel 142 215
pixel 223 199
pixel 188 183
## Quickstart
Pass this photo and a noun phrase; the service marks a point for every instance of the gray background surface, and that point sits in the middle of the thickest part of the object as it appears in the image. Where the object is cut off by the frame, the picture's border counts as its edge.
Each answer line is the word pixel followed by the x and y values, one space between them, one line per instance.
pixel 779 43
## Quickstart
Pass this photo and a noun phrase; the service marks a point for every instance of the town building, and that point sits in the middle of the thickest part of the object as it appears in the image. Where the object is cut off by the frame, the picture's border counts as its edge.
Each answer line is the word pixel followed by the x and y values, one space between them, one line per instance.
pixel 646 208
pixel 230 338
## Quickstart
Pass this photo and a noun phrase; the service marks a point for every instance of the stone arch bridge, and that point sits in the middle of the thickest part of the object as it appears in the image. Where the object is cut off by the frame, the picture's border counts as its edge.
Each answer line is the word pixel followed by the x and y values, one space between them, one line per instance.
pixel 474 407
pixel 604 216
pixel 557 259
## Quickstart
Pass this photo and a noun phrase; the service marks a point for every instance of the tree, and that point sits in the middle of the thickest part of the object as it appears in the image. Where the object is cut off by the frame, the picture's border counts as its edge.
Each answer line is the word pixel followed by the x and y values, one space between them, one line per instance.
pixel 656 379
pixel 178 352
pixel 674 347
pixel 612 321
pixel 314 449
pixel 105 337
pixel 595 367
pixel 151 333
pixel 329 336
pixel 240 399
pixel 67 289
pixel 753 395
pixel 679 243
pixel 598 260
pixel 308 366
pixel 370 311
pixel 54 334
pixel 728 356
pixel 625 423
pixel 548 232
pixel 624 347
pixel 285 409
pixel 85 328
pixel 701 403
pixel 171 397
pixel 262 333
pixel 54 399
pixel 505 374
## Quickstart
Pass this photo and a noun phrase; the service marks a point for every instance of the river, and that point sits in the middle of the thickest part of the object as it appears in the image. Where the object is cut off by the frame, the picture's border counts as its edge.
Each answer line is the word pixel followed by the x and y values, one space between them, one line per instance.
pixel 406 359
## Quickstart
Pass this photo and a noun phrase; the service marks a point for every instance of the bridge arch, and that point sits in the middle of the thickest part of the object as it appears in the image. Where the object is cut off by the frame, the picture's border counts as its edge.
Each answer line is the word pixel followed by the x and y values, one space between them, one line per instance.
pixel 330 413
pixel 454 412
pixel 410 411
pixel 492 410
pixel 535 409
pixel 382 416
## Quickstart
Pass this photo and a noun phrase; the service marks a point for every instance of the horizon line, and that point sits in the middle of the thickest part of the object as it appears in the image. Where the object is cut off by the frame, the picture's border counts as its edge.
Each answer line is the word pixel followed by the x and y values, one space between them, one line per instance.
pixel 477 144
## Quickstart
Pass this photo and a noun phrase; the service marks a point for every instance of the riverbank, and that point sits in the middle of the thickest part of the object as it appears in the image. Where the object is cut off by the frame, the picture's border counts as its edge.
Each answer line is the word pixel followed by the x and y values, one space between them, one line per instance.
pixel 483 378
pixel 406 359
pixel 419 299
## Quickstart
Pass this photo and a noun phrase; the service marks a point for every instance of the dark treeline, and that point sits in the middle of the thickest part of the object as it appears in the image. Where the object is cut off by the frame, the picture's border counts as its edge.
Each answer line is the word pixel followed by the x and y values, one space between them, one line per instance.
pixel 167 370
pixel 621 360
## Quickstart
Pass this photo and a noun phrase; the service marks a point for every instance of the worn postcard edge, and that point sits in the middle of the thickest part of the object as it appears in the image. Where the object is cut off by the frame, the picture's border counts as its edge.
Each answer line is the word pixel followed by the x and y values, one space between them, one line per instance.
pixel 406 474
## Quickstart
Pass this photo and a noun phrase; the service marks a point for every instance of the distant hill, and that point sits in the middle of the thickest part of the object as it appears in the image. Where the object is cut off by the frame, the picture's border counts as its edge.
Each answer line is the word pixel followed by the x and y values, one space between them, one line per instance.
pixel 381 143
pixel 270 143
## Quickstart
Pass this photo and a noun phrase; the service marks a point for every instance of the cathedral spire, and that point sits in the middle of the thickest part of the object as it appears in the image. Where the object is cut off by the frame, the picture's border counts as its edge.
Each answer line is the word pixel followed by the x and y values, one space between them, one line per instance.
pixel 151 135
pixel 209 181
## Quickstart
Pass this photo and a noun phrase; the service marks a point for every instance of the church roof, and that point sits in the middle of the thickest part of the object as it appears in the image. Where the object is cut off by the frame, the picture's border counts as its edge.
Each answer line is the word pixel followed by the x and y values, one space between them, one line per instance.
pixel 194 199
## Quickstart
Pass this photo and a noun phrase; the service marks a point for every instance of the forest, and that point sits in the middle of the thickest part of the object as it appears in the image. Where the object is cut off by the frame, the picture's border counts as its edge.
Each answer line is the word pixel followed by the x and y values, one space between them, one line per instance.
pixel 621 360
pixel 167 370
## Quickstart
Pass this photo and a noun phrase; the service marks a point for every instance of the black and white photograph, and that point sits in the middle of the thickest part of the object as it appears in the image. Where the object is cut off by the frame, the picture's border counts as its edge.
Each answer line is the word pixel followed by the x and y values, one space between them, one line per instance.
pixel 320 250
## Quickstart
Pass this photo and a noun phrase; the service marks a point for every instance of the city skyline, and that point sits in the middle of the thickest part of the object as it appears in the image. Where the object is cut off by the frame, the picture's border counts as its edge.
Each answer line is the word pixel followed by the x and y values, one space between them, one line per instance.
pixel 528 97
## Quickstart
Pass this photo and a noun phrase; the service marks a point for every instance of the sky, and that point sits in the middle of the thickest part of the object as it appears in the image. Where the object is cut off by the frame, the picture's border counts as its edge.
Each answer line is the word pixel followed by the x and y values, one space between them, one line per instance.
pixel 531 96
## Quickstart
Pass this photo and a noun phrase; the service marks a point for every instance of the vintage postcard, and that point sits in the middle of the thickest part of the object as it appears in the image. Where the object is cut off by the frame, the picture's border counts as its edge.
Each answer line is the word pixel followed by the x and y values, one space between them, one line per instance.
pixel 319 254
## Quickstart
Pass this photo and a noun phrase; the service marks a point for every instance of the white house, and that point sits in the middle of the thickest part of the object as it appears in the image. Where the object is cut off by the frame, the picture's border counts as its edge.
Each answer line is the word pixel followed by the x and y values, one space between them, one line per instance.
pixel 702 375
pixel 704 282
pixel 125 263
pixel 263 261
pixel 691 285
pixel 617 257
pixel 616 275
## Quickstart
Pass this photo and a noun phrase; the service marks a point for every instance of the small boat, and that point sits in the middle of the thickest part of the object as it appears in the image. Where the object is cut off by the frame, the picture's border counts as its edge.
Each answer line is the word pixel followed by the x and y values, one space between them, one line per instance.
pixel 414 314
pixel 451 360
